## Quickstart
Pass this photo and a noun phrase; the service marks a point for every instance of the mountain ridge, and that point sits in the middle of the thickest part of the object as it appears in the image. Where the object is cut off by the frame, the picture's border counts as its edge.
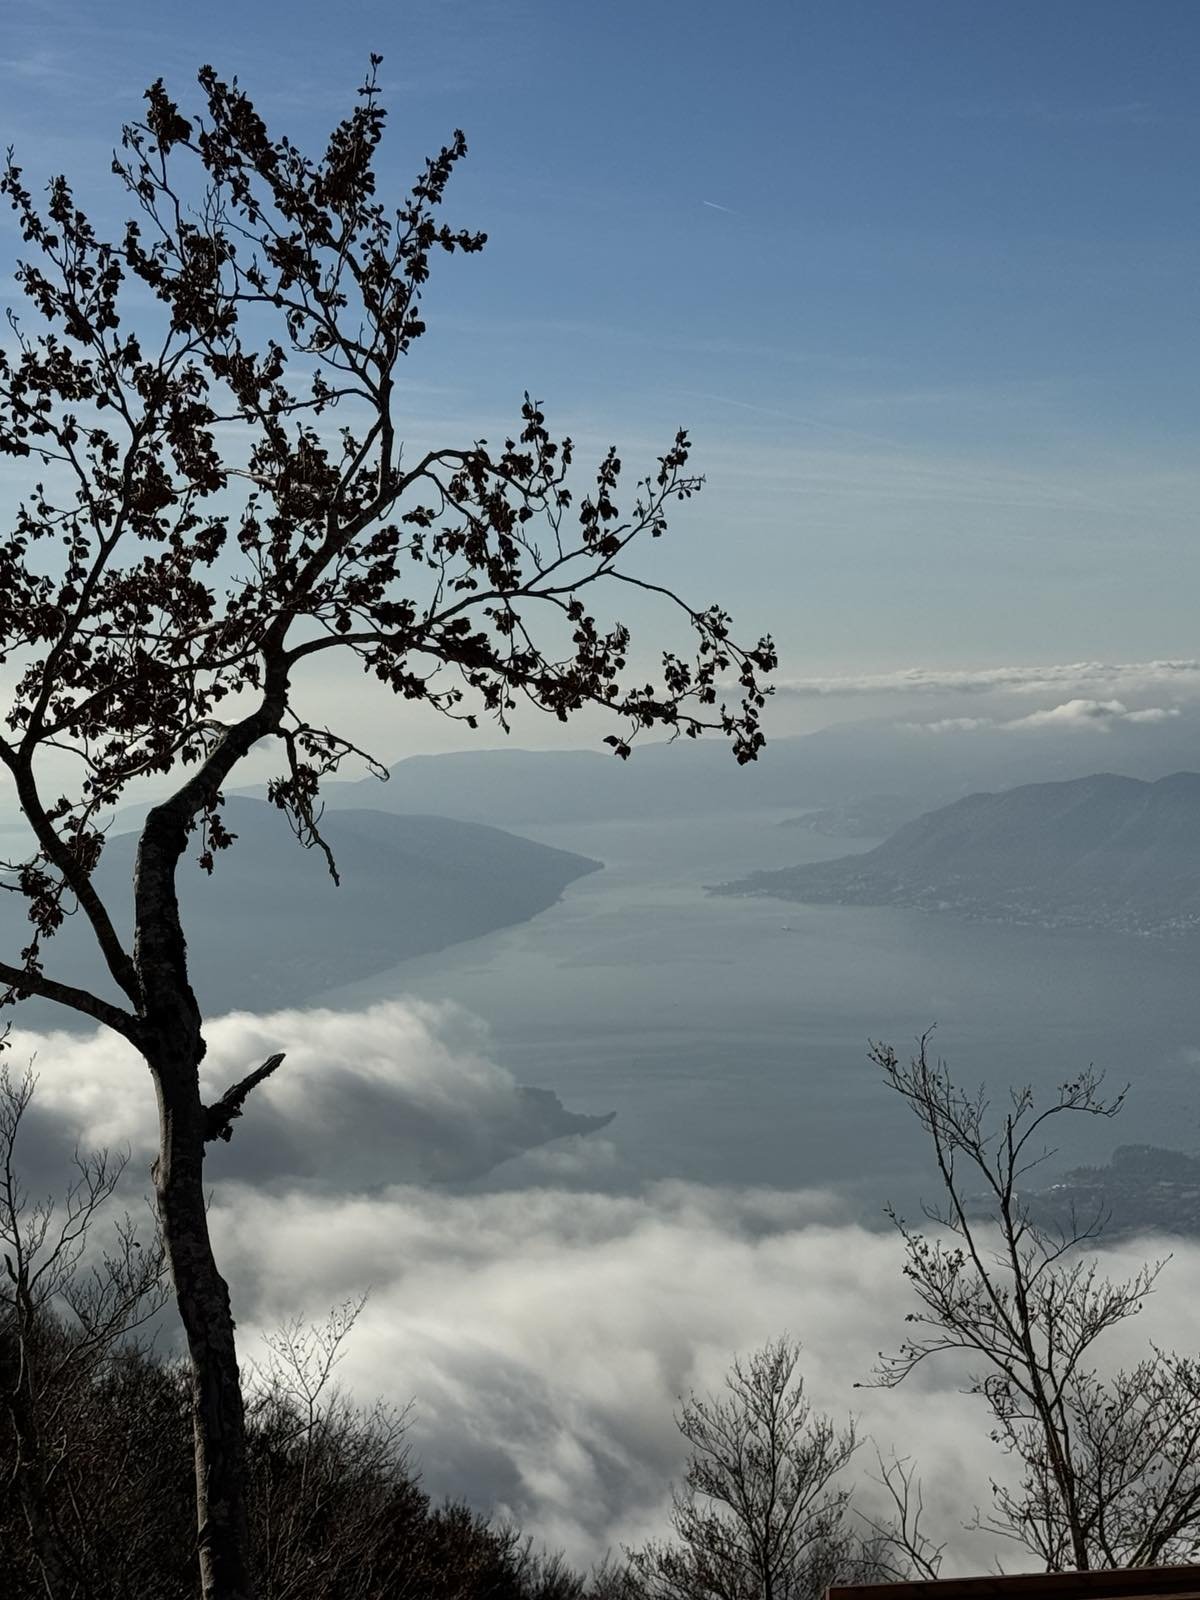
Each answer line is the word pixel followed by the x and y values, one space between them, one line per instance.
pixel 1102 851
pixel 270 929
pixel 922 764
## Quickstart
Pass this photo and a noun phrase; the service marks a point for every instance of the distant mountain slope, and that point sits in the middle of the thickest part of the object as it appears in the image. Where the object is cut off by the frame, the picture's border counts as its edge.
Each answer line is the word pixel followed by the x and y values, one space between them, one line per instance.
pixel 270 928
pixel 922 766
pixel 875 816
pixel 1102 851
pixel 530 787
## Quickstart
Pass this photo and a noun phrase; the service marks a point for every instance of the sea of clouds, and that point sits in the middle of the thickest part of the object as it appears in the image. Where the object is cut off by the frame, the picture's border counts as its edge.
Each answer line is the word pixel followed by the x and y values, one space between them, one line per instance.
pixel 544 1333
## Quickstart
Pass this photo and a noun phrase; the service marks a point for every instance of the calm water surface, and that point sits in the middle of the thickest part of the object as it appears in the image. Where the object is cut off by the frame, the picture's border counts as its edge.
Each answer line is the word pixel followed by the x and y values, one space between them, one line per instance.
pixel 730 1036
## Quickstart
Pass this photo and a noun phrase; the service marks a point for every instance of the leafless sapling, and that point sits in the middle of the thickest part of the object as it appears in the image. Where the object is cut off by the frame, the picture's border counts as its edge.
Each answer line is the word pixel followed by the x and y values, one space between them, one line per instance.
pixel 1108 1461
pixel 761 1514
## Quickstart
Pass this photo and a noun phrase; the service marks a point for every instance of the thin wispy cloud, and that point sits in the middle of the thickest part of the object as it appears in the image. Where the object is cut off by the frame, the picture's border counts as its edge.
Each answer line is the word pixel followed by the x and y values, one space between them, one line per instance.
pixel 1179 675
pixel 1082 713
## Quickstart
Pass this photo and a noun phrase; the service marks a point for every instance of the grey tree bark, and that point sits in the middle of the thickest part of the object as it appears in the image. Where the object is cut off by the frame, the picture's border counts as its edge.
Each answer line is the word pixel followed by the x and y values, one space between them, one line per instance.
pixel 170 1037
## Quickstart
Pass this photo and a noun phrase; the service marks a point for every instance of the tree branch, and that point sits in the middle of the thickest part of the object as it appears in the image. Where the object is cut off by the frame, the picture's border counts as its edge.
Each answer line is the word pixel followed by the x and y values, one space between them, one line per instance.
pixel 116 957
pixel 65 994
pixel 218 1118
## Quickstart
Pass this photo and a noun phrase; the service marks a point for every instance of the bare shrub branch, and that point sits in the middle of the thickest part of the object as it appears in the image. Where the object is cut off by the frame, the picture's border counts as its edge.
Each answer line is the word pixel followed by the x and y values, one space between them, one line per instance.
pixel 1108 1463
pixel 761 1511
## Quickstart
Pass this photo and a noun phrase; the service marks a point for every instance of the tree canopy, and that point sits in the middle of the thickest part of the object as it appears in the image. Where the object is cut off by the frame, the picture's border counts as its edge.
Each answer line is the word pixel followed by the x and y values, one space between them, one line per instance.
pixel 224 495
pixel 218 496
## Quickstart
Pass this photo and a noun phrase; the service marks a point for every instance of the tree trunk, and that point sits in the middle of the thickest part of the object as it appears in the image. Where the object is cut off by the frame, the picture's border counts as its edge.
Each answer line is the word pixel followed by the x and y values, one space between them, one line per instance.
pixel 173 1044
pixel 203 1299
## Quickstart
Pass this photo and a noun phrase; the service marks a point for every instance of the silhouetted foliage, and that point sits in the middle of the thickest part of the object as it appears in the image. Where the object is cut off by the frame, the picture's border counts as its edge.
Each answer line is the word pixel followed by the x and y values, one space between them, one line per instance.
pixel 218 496
pixel 66 1326
pixel 343 1518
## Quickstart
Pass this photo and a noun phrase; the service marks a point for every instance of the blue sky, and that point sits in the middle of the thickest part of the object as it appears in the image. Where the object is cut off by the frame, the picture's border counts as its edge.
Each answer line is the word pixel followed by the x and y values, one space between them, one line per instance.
pixel 921 279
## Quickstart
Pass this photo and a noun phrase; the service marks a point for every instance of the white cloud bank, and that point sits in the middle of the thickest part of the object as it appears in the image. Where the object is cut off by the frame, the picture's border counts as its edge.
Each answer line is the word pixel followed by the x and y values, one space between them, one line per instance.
pixel 1112 678
pixel 1095 715
pixel 404 1091
pixel 546 1336
pixel 545 1333
pixel 1092 714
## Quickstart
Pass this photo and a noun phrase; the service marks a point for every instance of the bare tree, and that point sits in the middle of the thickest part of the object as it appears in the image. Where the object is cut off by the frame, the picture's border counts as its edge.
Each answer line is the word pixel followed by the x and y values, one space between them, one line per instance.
pixel 196 533
pixel 336 1504
pixel 761 1515
pixel 1109 1464
pixel 898 1542
pixel 330 1482
pixel 62 1322
pixel 94 1469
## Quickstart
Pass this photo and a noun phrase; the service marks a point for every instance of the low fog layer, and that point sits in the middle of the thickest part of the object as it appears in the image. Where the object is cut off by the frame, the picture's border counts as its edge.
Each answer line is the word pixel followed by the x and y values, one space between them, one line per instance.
pixel 545 1334
pixel 404 1092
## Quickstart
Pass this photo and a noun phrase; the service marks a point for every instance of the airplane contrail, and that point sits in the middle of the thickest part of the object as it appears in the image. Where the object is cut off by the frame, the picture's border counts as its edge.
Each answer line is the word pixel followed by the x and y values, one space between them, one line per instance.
pixel 712 204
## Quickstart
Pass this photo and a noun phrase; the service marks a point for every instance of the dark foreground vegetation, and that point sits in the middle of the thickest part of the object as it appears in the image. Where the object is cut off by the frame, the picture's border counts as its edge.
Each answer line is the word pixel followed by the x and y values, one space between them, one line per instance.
pixel 336 1509
pixel 97 1497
